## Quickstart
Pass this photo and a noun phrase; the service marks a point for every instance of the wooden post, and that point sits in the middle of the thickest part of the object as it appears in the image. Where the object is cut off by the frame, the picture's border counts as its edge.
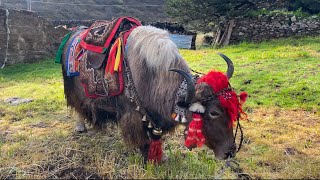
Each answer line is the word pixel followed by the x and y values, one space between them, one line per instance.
pixel 216 41
pixel 229 32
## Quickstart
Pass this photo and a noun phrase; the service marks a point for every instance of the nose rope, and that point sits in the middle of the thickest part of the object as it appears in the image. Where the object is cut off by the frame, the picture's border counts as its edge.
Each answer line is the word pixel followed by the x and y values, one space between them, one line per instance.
pixel 241 134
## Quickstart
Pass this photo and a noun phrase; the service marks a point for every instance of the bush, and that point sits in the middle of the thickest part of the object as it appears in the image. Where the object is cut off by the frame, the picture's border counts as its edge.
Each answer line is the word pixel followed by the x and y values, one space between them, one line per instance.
pixel 309 6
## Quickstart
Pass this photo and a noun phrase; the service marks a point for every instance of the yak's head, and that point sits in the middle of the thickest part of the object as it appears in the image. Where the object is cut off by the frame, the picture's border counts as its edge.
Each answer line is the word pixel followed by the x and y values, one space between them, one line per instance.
pixel 215 107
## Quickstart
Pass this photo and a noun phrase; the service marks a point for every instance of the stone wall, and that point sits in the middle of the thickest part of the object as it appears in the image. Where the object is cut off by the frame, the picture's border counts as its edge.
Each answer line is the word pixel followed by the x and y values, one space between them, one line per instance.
pixel 272 27
pixel 31 37
pixel 272 4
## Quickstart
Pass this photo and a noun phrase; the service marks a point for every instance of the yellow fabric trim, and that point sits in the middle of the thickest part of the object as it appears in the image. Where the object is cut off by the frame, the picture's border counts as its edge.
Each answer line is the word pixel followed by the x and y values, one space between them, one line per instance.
pixel 118 56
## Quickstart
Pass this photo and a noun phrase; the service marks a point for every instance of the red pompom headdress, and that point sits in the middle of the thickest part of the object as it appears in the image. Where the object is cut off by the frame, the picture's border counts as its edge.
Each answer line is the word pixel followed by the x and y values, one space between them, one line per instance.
pixel 227 96
pixel 228 99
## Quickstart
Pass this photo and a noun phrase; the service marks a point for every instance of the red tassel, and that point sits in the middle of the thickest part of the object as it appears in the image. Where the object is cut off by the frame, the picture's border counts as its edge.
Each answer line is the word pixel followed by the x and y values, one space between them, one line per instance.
pixel 195 136
pixel 243 97
pixel 155 151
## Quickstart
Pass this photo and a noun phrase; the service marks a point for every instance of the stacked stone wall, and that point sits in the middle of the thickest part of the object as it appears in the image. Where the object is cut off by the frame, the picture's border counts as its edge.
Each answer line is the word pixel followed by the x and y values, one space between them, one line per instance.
pixel 31 38
pixel 272 27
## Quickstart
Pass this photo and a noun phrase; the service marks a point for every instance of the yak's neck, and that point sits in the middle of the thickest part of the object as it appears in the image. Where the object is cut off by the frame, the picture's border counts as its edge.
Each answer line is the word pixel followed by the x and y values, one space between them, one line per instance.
pixel 156 92
pixel 151 54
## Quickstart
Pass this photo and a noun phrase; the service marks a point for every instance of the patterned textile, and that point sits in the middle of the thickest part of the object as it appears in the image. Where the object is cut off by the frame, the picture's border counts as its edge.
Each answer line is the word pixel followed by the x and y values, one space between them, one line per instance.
pixel 61 47
pixel 73 54
pixel 102 34
pixel 101 64
pixel 92 79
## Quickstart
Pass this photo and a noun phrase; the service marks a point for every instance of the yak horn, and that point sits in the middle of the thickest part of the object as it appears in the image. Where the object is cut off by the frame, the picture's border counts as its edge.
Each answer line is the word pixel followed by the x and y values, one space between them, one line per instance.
pixel 230 65
pixel 190 84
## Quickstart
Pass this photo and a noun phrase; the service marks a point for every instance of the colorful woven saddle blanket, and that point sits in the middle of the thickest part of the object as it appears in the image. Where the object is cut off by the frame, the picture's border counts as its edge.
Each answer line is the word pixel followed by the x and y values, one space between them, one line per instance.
pixel 74 52
pixel 103 33
pixel 102 59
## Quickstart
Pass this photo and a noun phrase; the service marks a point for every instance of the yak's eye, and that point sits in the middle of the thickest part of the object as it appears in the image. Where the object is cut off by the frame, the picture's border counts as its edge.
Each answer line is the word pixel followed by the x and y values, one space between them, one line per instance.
pixel 214 114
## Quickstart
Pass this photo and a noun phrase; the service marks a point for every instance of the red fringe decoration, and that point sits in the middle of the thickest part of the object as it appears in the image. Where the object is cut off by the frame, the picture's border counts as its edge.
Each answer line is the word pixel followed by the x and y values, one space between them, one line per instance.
pixel 228 98
pixel 243 98
pixel 155 151
pixel 195 136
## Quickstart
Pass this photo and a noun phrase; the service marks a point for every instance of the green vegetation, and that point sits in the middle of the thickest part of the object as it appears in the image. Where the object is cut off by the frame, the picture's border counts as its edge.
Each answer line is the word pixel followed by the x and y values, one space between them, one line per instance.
pixel 298 12
pixel 308 6
pixel 205 15
pixel 281 136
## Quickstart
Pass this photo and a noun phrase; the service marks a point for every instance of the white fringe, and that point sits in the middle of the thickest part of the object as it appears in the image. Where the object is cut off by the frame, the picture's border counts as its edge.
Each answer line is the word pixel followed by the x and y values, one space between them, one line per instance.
pixel 197 108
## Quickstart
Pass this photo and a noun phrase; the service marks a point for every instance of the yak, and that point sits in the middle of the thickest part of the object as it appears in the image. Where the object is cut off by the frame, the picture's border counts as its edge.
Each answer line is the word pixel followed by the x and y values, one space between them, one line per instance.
pixel 163 94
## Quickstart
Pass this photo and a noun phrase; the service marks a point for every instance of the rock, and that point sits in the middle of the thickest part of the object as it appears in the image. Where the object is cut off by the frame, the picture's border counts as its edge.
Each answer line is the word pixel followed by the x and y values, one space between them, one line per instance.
pixel 244 28
pixel 293 19
pixel 17 101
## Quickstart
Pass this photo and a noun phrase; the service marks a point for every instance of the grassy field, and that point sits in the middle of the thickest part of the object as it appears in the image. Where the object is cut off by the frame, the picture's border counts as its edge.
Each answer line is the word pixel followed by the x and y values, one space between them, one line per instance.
pixel 282 135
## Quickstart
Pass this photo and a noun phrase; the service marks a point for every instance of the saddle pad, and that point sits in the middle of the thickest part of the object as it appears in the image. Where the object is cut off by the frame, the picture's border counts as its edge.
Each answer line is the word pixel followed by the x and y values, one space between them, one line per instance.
pixel 103 33
pixel 94 82
pixel 73 53
pixel 95 59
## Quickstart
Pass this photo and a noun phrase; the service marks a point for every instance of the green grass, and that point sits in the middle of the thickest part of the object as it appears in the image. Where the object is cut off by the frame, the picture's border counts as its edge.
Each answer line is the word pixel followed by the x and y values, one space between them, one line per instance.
pixel 281 136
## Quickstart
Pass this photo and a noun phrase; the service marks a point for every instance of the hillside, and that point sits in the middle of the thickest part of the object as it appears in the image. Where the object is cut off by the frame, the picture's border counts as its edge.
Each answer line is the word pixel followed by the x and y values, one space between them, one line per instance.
pixel 145 10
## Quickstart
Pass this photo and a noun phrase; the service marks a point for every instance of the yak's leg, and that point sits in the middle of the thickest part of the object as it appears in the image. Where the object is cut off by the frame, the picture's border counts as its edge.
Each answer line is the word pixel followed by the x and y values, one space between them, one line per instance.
pixel 133 132
pixel 80 126
pixel 144 149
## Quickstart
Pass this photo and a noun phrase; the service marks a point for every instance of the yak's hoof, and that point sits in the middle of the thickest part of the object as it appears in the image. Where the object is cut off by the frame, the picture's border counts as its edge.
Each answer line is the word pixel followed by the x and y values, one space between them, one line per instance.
pixel 80 127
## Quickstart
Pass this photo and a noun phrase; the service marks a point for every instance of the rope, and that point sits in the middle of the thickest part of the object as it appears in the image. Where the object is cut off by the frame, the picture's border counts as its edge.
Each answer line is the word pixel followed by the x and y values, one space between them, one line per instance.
pixel 234 166
pixel 241 133
pixel 197 72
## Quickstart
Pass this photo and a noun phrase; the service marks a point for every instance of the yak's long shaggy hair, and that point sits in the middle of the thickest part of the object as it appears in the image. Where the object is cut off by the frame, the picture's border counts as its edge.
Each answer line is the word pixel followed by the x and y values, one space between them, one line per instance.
pixel 157 49
pixel 151 54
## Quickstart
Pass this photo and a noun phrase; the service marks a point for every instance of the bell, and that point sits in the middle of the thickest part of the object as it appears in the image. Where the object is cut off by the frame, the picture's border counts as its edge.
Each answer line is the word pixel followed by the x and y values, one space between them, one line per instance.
pixel 177 118
pixel 144 119
pixel 150 125
pixel 138 108
pixel 184 120
pixel 157 132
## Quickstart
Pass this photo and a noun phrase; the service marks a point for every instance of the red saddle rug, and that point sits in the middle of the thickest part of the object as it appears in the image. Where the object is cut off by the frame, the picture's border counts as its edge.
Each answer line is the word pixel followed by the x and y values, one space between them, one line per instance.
pixel 101 63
